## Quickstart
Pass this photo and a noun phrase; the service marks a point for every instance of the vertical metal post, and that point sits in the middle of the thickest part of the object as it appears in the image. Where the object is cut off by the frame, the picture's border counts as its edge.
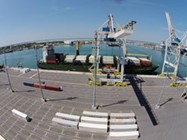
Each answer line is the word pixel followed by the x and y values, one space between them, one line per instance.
pixel 123 58
pixel 43 98
pixel 157 106
pixel 8 73
pixel 95 71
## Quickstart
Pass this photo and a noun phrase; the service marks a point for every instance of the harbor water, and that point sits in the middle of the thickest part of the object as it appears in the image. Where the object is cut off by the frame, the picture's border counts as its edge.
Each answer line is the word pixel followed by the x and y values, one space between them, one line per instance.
pixel 26 58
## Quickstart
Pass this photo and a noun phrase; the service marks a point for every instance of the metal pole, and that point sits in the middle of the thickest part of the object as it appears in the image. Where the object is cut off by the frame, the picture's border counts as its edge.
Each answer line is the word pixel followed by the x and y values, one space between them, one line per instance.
pixel 43 98
pixel 157 106
pixel 123 59
pixel 8 73
pixel 95 70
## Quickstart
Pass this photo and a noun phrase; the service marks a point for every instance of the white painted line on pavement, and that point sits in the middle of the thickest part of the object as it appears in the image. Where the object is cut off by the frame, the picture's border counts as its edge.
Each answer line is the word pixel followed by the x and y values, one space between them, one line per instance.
pixel 33 75
pixel 20 74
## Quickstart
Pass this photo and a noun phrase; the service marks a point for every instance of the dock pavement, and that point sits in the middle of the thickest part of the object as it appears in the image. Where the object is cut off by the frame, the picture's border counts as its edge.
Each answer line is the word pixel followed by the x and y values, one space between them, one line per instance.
pixel 169 122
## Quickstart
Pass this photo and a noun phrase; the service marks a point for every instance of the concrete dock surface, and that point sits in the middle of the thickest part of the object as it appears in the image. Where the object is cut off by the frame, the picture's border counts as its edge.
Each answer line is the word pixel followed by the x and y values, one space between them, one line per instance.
pixel 169 122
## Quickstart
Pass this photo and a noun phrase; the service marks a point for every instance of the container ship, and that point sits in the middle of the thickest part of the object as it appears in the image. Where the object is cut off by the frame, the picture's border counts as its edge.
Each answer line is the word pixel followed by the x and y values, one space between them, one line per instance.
pixel 134 63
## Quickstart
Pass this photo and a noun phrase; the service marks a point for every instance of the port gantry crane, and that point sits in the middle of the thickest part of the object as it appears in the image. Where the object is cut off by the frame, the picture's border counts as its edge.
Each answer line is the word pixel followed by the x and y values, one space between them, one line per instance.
pixel 113 34
pixel 173 46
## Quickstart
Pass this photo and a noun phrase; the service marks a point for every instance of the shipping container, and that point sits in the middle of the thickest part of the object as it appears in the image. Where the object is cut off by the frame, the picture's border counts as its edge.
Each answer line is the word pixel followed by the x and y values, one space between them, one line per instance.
pixel 133 61
pixel 145 62
pixel 51 61
pixel 50 56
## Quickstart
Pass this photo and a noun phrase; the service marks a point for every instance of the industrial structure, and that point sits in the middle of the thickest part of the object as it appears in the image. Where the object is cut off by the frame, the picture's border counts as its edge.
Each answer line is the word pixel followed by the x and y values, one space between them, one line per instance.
pixel 173 46
pixel 114 35
pixel 111 35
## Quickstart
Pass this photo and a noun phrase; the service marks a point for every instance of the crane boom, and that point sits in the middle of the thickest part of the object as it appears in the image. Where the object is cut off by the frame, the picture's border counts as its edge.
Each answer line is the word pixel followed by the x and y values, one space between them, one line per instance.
pixel 123 31
pixel 170 27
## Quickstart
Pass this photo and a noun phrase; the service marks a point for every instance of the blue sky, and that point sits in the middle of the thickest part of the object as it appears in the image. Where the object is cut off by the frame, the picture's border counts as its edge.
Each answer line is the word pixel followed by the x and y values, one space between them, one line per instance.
pixel 29 20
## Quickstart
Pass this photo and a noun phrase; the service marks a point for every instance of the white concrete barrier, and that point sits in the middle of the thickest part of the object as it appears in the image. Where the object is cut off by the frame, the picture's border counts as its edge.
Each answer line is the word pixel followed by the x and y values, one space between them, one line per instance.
pixel 126 127
pixel 65 122
pixel 1 138
pixel 122 115
pixel 94 127
pixel 67 116
pixel 94 119
pixel 96 114
pixel 122 121
pixel 21 115
pixel 125 134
